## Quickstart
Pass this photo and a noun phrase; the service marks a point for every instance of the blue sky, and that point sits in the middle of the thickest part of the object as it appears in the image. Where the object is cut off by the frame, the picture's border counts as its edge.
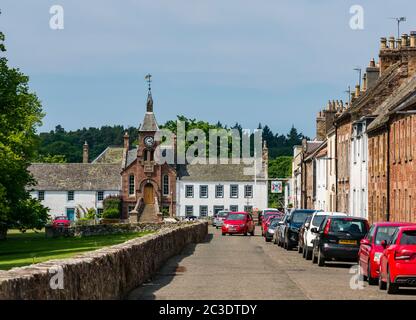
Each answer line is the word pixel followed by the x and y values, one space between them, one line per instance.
pixel 274 62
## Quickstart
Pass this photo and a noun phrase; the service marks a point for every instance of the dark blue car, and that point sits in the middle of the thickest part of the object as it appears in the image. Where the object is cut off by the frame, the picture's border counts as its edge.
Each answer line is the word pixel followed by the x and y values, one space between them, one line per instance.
pixel 292 226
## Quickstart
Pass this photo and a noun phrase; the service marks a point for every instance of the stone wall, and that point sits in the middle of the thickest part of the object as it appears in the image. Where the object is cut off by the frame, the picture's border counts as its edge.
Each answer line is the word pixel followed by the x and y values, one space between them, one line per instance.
pixel 108 273
pixel 103 229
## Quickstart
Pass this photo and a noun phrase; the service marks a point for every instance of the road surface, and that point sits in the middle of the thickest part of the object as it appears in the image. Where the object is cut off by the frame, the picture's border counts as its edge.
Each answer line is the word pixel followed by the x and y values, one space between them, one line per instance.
pixel 239 267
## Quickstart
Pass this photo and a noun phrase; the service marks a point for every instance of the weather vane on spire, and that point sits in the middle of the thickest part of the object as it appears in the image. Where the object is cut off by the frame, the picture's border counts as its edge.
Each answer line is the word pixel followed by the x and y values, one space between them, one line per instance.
pixel 148 78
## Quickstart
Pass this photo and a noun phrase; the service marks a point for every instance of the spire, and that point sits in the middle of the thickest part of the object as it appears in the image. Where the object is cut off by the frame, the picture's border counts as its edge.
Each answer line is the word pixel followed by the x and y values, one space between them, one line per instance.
pixel 149 123
pixel 149 104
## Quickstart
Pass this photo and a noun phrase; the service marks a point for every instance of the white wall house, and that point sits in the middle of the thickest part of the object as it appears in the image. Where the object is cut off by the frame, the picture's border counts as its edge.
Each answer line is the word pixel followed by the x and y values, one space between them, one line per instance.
pixel 321 183
pixel 65 203
pixel 205 198
pixel 358 169
pixel 297 177
pixel 66 187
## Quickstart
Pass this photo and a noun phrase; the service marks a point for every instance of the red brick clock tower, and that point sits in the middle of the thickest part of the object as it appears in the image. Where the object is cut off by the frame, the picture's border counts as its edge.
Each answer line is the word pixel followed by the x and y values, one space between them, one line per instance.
pixel 148 188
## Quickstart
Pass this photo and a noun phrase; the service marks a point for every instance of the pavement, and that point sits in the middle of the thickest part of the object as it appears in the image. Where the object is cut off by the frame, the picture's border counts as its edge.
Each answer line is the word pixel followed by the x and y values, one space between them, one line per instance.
pixel 248 268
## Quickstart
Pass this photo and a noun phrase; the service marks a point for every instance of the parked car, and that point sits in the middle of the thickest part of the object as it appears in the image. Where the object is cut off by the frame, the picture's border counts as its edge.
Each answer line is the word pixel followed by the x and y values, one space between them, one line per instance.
pixel 302 229
pixel 61 222
pixel 398 261
pixel 279 232
pixel 338 239
pixel 190 218
pixel 292 225
pixel 371 249
pixel 264 214
pixel 238 223
pixel 266 222
pixel 309 236
pixel 219 218
pixel 271 229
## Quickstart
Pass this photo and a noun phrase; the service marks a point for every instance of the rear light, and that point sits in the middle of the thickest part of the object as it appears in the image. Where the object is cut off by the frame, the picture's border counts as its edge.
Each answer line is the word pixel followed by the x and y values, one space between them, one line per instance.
pixel 327 226
pixel 403 255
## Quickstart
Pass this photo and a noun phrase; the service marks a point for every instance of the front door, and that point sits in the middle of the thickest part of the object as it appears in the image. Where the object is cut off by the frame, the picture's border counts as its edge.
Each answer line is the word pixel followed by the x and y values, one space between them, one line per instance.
pixel 148 194
pixel 70 213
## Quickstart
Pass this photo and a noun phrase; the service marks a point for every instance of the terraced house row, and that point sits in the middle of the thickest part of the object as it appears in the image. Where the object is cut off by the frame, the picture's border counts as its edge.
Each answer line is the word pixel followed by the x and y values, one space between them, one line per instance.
pixel 362 160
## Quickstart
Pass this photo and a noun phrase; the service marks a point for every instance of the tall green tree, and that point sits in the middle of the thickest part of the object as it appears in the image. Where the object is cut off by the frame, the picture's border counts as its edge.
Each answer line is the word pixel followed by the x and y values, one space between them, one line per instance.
pixel 20 115
pixel 281 167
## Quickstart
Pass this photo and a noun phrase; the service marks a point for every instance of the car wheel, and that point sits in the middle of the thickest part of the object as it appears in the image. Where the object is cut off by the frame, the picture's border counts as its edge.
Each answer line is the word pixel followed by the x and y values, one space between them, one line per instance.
pixel 362 277
pixel 268 240
pixel 314 258
pixel 216 227
pixel 304 252
pixel 371 281
pixel 299 249
pixel 381 284
pixel 224 234
pixel 321 259
pixel 392 288
pixel 252 233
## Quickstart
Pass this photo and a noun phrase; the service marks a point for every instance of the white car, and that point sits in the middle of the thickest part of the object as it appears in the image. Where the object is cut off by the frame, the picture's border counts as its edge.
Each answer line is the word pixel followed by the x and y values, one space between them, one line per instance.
pixel 309 236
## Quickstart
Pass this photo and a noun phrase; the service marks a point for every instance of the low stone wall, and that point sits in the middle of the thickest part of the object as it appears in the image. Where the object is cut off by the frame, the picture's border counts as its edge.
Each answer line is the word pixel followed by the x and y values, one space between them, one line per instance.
pixel 103 229
pixel 108 273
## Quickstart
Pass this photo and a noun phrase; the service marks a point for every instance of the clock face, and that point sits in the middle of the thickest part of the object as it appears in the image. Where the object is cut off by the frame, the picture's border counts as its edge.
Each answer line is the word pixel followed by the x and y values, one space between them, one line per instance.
pixel 149 141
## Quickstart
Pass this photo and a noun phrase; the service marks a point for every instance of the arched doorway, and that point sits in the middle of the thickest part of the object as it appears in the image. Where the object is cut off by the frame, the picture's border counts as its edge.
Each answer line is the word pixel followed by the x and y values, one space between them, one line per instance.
pixel 148 194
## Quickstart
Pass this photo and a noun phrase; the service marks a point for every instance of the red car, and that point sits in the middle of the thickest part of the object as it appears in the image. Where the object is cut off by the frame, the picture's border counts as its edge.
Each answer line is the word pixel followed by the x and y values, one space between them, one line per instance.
pixel 61 222
pixel 238 223
pixel 266 221
pixel 371 249
pixel 398 262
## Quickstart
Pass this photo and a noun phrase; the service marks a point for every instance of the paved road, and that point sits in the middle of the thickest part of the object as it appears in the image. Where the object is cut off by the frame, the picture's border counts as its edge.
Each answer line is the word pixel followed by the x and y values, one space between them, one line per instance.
pixel 238 267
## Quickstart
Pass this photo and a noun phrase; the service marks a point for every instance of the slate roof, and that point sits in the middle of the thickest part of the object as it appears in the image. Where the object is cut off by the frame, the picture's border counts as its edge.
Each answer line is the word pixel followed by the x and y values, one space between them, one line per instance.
pixel 76 176
pixel 110 155
pixel 149 123
pixel 131 156
pixel 216 172
pixel 402 97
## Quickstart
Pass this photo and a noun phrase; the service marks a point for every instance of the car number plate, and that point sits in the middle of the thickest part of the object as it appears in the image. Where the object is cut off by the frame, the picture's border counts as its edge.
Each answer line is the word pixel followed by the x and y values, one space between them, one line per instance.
pixel 347 241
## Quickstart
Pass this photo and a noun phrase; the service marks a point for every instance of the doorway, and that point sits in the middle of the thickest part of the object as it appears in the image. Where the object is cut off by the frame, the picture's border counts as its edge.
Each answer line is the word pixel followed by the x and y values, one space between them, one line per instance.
pixel 148 194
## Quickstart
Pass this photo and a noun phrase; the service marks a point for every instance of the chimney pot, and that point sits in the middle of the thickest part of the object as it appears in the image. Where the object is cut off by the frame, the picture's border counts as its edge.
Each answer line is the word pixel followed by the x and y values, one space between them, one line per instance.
pixel 413 39
pixel 357 90
pixel 372 63
pixel 383 43
pixel 392 43
pixel 405 38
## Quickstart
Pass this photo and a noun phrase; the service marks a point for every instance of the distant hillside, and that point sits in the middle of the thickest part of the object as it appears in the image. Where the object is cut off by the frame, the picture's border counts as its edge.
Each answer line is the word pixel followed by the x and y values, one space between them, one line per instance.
pixel 61 145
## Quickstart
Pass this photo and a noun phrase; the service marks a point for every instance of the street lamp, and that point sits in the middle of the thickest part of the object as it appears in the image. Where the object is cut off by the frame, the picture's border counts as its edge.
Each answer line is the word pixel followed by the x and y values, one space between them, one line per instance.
pixel 399 20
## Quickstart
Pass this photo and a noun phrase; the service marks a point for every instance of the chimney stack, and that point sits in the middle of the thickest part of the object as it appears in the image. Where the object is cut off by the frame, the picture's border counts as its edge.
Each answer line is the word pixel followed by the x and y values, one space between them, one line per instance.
pixel 365 82
pixel 405 38
pixel 85 153
pixel 357 90
pixel 383 43
pixel 126 141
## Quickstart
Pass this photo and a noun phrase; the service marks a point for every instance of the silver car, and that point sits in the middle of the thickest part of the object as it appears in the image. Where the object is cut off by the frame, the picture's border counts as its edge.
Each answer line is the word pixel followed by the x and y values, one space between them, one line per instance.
pixel 219 218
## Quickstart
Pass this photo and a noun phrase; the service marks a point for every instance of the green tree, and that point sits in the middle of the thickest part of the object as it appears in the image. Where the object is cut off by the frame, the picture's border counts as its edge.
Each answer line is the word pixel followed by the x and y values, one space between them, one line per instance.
pixel 20 115
pixel 281 167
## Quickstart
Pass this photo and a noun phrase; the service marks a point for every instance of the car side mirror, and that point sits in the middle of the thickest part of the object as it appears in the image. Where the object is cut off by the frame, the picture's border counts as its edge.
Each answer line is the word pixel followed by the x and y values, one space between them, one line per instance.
pixel 307 225
pixel 314 230
pixel 365 242
pixel 384 244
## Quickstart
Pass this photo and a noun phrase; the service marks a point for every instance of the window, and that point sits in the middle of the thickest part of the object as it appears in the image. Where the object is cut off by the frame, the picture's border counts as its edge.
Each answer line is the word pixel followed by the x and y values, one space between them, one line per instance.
pixel 248 191
pixel 203 211
pixel 165 185
pixel 70 196
pixel 131 184
pixel 219 191
pixel 130 208
pixel 100 212
pixel 234 208
pixel 100 195
pixel 189 191
pixel 189 211
pixel 234 191
pixel 248 209
pixel 203 191
pixel 218 209
pixel 41 195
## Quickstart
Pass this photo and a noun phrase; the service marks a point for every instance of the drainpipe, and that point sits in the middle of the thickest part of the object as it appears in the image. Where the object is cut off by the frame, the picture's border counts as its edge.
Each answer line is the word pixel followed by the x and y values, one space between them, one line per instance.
pixel 388 174
pixel 336 167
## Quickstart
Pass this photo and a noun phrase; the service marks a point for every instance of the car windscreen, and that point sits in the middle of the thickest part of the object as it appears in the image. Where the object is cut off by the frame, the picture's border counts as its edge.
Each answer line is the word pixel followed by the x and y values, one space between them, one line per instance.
pixel 236 217
pixel 274 223
pixel 317 220
pixel 348 225
pixel 300 216
pixel 222 214
pixel 61 218
pixel 384 233
pixel 408 237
